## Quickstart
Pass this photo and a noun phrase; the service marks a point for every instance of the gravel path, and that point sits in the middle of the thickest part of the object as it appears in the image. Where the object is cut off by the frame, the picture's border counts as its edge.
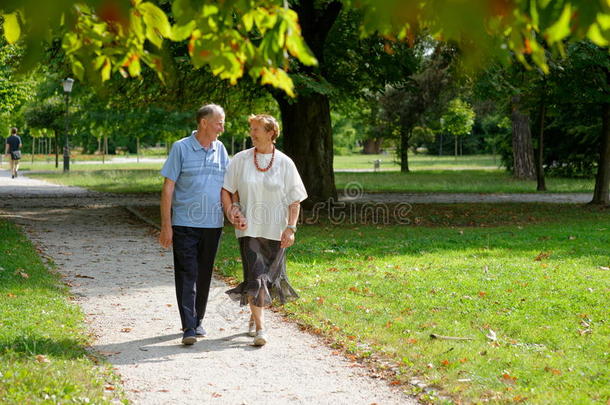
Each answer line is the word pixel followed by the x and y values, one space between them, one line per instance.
pixel 124 282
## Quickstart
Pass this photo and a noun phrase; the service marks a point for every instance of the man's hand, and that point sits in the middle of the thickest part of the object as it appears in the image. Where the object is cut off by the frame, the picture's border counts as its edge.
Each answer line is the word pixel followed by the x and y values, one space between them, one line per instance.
pixel 287 238
pixel 165 238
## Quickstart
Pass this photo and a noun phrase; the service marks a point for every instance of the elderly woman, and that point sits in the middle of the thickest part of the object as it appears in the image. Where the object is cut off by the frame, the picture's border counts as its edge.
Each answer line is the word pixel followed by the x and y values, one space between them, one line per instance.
pixel 261 197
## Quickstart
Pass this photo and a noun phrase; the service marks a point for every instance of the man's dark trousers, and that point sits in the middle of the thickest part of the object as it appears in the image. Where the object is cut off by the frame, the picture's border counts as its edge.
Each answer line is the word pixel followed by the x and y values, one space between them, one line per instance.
pixel 194 253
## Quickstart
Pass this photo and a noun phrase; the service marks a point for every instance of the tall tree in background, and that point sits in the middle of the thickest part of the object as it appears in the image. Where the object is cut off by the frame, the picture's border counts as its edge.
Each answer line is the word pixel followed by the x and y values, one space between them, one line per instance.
pixel 457 121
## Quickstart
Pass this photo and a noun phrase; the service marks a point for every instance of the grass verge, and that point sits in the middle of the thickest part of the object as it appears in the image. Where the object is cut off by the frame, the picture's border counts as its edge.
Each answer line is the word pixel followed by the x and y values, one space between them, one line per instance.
pixel 468 181
pixel 455 181
pixel 43 355
pixel 527 283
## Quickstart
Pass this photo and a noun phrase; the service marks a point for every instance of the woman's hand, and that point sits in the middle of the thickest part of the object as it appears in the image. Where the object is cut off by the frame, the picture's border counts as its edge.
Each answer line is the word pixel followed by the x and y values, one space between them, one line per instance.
pixel 287 238
pixel 237 218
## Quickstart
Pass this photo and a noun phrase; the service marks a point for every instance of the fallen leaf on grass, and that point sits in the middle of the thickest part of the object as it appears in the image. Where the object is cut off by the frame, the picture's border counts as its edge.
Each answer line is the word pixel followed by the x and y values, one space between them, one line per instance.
pixel 491 335
pixel 395 382
pixel 42 359
pixel 604 268
pixel 109 388
pixel 552 370
pixel 507 378
pixel 412 341
pixel 482 293
pixel 22 274
pixel 11 295
pixel 542 255
pixel 332 269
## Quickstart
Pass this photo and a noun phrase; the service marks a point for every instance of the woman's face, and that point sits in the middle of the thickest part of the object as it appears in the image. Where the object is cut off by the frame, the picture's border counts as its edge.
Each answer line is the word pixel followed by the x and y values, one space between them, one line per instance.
pixel 260 136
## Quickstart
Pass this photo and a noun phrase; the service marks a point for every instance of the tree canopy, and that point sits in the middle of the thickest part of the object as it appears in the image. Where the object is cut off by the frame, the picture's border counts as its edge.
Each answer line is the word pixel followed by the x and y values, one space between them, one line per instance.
pixel 257 36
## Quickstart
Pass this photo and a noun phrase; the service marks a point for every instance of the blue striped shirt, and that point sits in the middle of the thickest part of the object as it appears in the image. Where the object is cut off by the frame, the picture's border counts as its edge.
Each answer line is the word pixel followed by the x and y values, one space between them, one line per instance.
pixel 198 174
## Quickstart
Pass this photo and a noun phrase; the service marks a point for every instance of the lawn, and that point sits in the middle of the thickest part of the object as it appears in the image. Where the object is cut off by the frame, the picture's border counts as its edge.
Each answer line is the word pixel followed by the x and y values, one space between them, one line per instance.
pixel 417 162
pixel 527 283
pixel 43 355
pixel 455 181
pixel 125 179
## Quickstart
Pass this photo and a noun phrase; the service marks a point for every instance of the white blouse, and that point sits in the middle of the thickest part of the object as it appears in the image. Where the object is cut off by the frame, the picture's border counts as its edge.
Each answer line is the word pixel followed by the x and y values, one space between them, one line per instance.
pixel 264 196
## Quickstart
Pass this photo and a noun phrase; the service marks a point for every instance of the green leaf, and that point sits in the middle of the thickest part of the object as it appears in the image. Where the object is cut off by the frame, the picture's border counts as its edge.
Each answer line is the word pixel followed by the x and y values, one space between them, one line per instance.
pixel 182 32
pixel 78 69
pixel 278 78
pixel 12 30
pixel 299 49
pixel 182 11
pixel 157 25
pixel 106 69
pixel 561 28
pixel 134 67
pixel 596 36
pixel 248 20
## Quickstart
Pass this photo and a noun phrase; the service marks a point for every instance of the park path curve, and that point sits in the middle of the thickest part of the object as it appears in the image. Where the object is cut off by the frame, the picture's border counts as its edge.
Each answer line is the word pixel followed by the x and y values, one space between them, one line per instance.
pixel 123 281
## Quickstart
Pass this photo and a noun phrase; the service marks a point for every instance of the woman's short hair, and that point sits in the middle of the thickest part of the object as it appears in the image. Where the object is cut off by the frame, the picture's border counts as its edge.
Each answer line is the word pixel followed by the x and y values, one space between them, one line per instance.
pixel 269 123
pixel 13 131
pixel 208 110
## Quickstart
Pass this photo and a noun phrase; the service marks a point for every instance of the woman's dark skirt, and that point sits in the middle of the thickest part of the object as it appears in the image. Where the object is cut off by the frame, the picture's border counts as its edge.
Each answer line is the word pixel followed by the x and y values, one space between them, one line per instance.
pixel 265 279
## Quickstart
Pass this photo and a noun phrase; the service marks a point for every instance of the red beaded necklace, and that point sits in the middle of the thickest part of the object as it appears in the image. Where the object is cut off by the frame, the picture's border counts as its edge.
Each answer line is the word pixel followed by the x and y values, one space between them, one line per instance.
pixel 270 162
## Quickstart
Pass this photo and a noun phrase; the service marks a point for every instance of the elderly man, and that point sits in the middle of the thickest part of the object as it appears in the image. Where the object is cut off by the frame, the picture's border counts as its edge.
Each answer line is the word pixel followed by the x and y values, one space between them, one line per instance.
pixel 191 214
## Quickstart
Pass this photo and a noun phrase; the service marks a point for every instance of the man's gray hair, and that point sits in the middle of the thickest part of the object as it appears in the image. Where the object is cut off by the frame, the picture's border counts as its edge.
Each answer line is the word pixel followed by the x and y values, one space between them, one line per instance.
pixel 208 110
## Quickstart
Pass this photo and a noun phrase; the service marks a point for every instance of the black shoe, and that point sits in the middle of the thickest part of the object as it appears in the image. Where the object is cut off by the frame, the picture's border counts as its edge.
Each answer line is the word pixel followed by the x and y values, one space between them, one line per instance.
pixel 12 176
pixel 188 338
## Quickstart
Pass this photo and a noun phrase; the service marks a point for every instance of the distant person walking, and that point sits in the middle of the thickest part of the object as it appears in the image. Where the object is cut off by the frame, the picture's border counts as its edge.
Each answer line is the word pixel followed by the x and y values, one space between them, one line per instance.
pixel 13 146
pixel 191 214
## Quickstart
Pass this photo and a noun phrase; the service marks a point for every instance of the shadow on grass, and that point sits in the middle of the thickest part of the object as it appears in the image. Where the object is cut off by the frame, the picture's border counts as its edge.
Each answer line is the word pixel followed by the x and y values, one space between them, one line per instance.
pixel 28 346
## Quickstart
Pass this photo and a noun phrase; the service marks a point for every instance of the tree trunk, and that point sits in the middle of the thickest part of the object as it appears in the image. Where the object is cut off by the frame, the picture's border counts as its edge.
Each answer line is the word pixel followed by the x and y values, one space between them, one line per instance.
pixel 306 119
pixel 523 152
pixel 56 150
pixel 541 186
pixel 602 180
pixel 404 152
pixel 371 146
pixel 308 141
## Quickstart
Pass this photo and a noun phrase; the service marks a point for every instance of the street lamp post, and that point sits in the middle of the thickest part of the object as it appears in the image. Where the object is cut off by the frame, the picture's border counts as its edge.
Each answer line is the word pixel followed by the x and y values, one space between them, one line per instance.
pixel 67 83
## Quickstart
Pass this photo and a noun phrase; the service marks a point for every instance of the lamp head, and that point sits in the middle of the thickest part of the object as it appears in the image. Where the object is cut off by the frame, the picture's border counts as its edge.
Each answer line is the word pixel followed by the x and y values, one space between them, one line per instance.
pixel 67 83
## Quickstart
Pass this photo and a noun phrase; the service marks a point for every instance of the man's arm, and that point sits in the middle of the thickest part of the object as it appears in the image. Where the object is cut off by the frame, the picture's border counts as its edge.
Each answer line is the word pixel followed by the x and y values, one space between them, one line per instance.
pixel 165 238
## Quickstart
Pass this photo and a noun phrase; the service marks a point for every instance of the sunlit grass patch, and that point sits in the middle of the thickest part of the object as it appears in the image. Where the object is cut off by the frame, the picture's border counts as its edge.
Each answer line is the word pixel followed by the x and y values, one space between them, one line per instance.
pixel 532 299
pixel 43 345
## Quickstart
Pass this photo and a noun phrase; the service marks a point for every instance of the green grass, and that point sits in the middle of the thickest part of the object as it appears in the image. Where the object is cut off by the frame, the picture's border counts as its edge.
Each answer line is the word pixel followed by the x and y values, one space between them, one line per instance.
pixel 467 181
pixel 78 167
pixel 536 275
pixel 43 356
pixel 418 162
pixel 112 181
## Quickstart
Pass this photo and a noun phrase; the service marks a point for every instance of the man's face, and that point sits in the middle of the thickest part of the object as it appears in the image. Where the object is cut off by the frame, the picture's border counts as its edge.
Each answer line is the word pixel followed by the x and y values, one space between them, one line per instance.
pixel 214 125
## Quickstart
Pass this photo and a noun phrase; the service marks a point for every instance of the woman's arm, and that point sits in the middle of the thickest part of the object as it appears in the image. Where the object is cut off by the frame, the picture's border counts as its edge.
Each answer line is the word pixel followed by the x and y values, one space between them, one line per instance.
pixel 287 238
